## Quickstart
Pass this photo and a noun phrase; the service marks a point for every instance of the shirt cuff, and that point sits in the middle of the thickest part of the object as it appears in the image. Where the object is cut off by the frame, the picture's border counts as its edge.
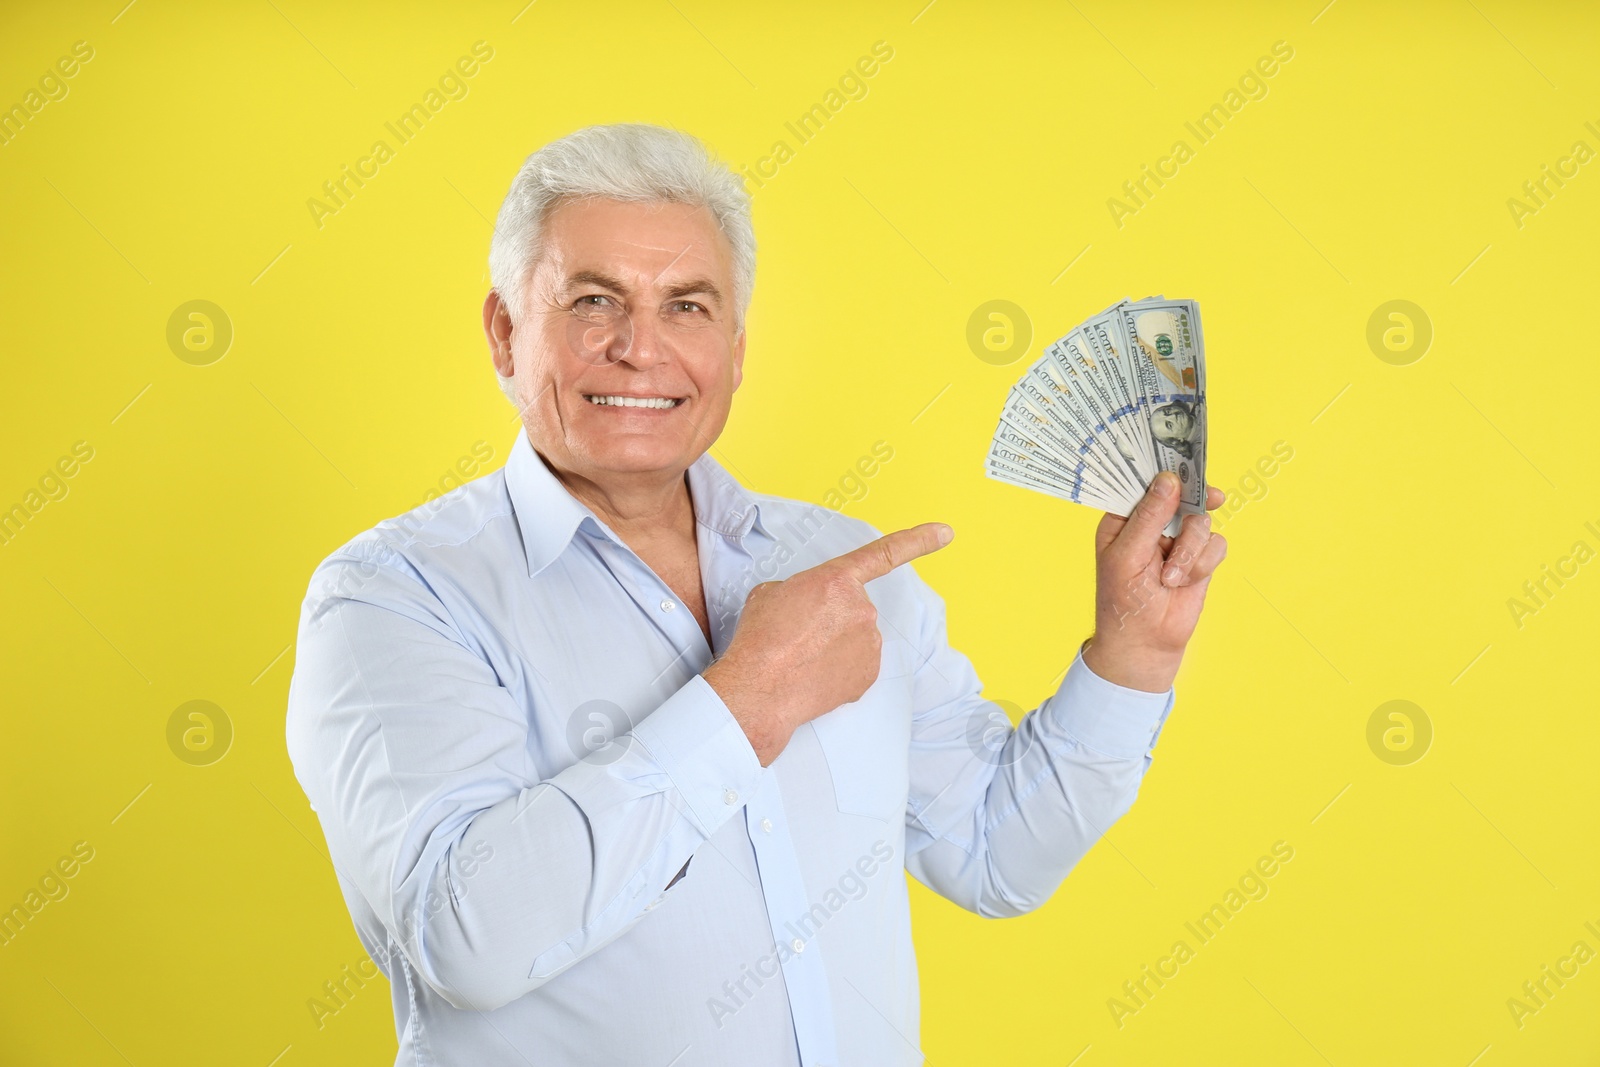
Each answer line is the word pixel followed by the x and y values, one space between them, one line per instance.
pixel 1105 717
pixel 697 741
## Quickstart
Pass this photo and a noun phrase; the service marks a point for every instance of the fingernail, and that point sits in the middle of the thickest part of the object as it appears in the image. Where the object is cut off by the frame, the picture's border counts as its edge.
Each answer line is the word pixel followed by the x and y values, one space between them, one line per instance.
pixel 946 534
pixel 1170 575
pixel 1166 483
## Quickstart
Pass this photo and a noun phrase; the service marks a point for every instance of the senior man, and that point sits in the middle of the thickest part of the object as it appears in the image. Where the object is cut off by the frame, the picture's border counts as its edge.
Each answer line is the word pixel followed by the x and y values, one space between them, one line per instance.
pixel 619 762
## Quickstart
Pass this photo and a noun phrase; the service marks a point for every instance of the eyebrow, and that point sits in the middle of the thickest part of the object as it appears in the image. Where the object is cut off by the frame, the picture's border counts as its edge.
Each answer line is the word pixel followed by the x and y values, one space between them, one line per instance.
pixel 681 289
pixel 596 278
pixel 693 286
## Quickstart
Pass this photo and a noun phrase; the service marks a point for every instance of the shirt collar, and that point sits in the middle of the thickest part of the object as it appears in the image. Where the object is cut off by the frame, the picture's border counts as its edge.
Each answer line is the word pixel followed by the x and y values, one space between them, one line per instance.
pixel 548 515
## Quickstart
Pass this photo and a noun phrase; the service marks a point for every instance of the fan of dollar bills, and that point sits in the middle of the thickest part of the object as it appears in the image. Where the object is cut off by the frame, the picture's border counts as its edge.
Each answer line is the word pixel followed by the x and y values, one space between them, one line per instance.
pixel 1116 401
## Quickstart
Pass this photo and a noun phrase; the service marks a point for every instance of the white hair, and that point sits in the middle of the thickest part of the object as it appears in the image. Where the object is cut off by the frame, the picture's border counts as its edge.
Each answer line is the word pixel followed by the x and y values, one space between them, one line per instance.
pixel 625 161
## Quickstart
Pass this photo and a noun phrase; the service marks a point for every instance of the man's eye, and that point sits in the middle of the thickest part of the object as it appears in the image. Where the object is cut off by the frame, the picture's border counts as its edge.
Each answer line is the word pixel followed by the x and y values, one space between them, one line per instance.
pixel 593 300
pixel 687 305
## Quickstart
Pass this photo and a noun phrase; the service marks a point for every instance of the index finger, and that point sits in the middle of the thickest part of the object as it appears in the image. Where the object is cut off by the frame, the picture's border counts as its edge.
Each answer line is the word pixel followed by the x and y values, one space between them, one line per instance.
pixel 877 558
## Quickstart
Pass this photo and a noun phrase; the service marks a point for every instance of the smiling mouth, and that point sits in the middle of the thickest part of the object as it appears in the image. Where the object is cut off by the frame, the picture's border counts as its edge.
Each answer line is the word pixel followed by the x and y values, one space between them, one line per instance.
pixel 659 403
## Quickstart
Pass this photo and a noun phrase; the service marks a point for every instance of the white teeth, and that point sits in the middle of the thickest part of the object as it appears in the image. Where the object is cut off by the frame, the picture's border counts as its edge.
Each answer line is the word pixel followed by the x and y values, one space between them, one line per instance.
pixel 635 401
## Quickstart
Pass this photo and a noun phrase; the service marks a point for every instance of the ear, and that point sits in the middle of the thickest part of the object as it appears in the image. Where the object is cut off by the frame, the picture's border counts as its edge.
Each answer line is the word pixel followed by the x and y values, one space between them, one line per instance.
pixel 738 359
pixel 497 329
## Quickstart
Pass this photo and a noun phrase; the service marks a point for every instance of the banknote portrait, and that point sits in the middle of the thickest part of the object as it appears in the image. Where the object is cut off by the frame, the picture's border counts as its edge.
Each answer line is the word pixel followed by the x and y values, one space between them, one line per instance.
pixel 1176 425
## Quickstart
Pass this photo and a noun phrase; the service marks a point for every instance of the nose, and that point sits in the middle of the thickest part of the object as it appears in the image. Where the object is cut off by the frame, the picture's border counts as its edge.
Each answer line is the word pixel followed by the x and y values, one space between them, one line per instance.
pixel 600 335
pixel 645 343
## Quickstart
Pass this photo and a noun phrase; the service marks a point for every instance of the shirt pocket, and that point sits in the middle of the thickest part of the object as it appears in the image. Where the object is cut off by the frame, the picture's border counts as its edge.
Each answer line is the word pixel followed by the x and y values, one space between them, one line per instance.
pixel 867 743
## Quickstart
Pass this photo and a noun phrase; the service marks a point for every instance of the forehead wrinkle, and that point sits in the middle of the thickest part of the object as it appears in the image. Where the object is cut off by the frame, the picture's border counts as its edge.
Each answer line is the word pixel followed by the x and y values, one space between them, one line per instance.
pixel 666 248
pixel 702 282
pixel 674 262
pixel 621 243
pixel 617 248
pixel 699 262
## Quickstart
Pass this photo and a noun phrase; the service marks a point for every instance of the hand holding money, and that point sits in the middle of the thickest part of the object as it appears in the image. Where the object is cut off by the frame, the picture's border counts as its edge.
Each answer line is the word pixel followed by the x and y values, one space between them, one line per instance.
pixel 1113 415
pixel 1149 588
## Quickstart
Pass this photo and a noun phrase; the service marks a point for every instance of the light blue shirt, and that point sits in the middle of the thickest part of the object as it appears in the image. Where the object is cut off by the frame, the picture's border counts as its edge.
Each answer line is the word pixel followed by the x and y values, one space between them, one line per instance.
pixel 498 714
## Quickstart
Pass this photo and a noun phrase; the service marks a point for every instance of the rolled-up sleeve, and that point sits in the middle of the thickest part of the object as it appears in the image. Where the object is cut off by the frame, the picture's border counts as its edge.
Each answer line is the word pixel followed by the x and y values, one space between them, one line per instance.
pixel 417 762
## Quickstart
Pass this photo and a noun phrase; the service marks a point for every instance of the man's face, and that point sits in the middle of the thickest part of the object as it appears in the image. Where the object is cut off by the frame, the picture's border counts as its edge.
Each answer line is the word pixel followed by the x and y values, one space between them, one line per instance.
pixel 628 301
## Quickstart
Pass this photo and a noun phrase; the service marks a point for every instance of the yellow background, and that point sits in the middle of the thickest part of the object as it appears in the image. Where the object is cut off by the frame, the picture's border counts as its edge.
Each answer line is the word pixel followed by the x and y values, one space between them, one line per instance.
pixel 1378 566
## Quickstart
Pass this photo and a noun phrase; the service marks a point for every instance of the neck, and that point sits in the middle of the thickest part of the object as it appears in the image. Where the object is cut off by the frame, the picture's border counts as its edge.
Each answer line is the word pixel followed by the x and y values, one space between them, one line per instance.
pixel 640 508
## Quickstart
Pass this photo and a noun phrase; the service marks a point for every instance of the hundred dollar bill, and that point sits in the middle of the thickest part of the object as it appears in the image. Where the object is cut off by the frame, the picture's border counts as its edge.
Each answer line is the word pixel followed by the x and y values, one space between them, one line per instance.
pixel 1103 347
pixel 1013 452
pixel 1168 357
pixel 1063 430
pixel 1066 373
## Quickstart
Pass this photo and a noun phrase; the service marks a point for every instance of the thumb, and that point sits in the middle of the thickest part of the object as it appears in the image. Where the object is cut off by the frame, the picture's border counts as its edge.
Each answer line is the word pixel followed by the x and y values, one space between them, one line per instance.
pixel 1154 510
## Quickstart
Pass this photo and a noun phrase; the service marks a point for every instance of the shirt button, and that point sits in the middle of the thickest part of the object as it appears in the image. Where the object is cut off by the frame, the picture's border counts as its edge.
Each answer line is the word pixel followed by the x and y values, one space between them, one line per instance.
pixel 667 605
pixel 766 825
pixel 798 945
pixel 730 797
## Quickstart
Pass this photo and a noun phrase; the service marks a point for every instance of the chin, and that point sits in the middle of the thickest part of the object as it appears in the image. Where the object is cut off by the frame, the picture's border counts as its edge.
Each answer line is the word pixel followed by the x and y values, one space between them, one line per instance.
pixel 626 455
